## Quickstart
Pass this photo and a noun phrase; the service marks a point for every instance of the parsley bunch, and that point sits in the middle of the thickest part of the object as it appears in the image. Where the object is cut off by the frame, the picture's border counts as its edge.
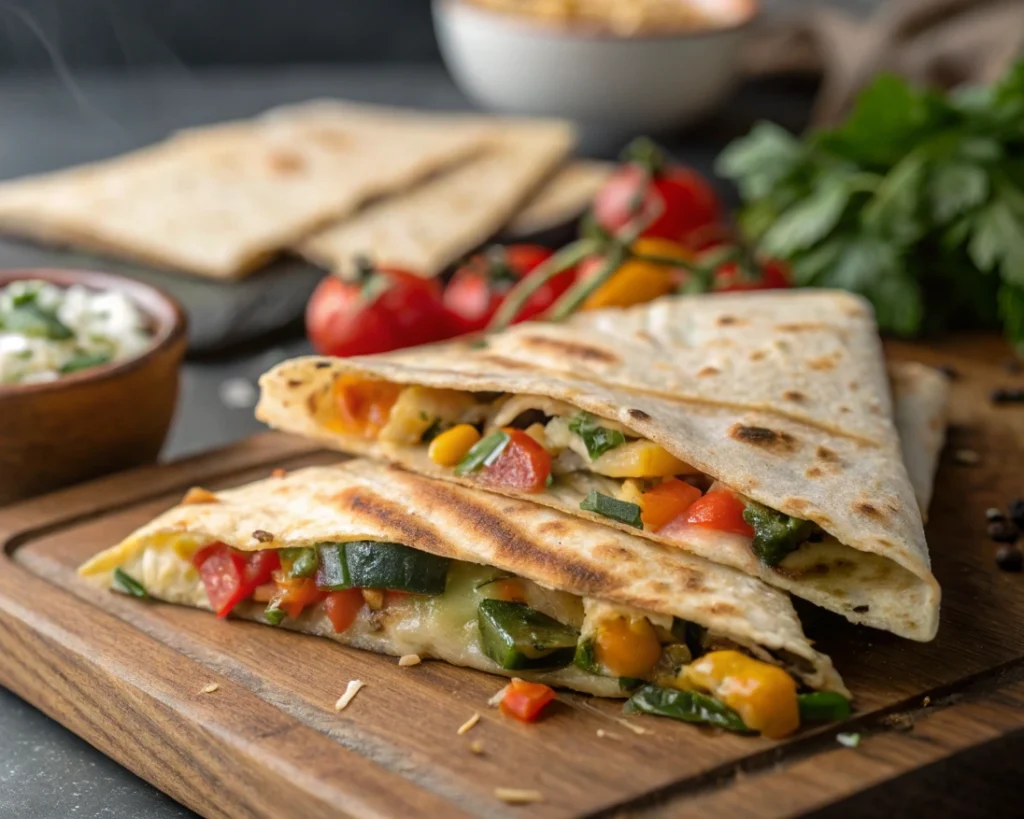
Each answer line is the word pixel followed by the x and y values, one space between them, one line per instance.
pixel 916 202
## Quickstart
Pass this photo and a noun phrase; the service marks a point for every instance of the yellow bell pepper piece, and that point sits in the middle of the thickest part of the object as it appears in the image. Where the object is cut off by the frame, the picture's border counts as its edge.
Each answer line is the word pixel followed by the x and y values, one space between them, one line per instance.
pixel 451 446
pixel 639 459
pixel 627 646
pixel 762 694
pixel 637 281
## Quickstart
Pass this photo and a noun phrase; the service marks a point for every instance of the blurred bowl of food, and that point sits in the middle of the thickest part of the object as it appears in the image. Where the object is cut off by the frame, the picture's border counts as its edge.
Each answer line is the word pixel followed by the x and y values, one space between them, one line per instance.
pixel 89 367
pixel 626 65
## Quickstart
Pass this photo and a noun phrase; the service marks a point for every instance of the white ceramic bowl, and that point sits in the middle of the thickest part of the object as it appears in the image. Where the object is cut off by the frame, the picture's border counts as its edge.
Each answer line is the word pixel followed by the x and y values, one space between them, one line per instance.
pixel 647 83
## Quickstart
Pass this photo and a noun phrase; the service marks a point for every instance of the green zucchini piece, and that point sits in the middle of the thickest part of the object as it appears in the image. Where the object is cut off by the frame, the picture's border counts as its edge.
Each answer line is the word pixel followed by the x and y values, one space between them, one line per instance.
pixel 596 438
pixel 302 561
pixel 685 706
pixel 484 453
pixel 609 507
pixel 516 636
pixel 377 565
pixel 332 573
pixel 823 706
pixel 126 584
pixel 584 658
pixel 776 534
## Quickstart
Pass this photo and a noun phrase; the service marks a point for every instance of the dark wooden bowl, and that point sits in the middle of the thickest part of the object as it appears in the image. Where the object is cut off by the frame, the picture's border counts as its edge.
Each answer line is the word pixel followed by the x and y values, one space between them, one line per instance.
pixel 99 420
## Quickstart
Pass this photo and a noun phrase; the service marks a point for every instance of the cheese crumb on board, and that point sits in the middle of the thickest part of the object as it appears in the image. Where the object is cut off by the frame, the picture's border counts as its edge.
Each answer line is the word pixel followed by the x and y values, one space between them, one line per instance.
pixel 606 735
pixel 209 689
pixel 495 701
pixel 518 796
pixel 469 723
pixel 477 747
pixel 407 660
pixel 351 690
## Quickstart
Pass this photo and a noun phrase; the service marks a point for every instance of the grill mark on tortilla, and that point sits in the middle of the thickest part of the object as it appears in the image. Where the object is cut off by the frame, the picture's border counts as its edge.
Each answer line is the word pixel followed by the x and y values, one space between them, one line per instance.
pixel 638 415
pixel 295 383
pixel 502 361
pixel 725 321
pixel 826 454
pixel 709 370
pixel 824 362
pixel 794 395
pixel 867 509
pixel 362 502
pixel 802 326
pixel 612 552
pixel 814 472
pixel 572 349
pixel 319 365
pixel 763 437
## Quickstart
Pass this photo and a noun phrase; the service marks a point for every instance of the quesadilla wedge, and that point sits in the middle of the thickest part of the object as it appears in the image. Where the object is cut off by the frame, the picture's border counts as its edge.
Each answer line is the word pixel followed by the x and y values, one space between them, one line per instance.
pixel 755 430
pixel 393 562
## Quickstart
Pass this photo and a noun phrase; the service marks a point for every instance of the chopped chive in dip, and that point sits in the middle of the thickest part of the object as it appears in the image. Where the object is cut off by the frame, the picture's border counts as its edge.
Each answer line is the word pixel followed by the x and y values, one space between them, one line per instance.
pixel 126 584
pixel 484 453
pixel 596 438
pixel 622 511
pixel 47 331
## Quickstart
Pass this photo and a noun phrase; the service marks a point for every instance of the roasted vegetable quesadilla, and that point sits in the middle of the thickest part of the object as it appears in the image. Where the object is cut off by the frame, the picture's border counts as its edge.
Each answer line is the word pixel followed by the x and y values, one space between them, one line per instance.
pixel 390 561
pixel 755 430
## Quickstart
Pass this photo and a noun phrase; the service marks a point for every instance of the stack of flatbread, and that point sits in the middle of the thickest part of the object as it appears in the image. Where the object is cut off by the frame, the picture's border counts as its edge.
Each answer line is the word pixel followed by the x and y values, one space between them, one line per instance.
pixel 328 180
pixel 533 471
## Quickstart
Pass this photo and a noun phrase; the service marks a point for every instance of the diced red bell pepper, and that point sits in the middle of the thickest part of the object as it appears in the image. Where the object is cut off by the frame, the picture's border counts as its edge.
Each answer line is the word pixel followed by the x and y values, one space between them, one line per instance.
pixel 720 509
pixel 524 465
pixel 666 501
pixel 342 608
pixel 525 700
pixel 231 576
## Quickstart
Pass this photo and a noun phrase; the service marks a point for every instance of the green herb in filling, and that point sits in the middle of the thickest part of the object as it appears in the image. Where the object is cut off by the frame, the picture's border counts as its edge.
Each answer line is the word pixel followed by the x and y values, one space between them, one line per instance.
pixel 585 659
pixel 622 511
pixel 126 584
pixel 823 706
pixel 300 561
pixel 776 534
pixel 596 438
pixel 273 614
pixel 436 427
pixel 686 706
pixel 484 453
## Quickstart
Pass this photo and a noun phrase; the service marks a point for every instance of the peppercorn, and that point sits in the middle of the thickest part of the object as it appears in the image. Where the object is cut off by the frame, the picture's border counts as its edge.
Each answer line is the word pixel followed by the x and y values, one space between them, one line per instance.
pixel 1002 531
pixel 1007 395
pixel 1010 559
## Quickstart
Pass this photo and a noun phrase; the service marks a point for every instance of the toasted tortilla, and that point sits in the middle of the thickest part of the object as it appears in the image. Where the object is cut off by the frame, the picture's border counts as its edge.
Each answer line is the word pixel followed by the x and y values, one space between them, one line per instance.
pixel 426 229
pixel 365 500
pixel 220 201
pixel 565 197
pixel 782 396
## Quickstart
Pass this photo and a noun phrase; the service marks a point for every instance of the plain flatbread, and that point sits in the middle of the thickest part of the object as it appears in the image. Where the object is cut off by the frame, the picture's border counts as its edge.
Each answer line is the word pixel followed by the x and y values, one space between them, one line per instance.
pixel 366 500
pixel 783 396
pixel 221 201
pixel 564 198
pixel 426 229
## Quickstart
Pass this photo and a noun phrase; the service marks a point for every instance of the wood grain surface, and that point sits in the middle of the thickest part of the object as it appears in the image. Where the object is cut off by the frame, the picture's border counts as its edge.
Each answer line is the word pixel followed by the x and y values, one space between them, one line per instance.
pixel 128 676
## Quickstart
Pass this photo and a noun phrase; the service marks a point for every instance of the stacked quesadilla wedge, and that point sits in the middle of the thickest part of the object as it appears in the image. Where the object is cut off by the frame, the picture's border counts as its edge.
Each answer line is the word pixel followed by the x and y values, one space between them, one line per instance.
pixel 398 563
pixel 754 430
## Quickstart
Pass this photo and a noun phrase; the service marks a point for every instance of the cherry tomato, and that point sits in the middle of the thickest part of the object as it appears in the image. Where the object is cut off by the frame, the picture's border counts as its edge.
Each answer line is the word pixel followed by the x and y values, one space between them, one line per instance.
pixel 687 199
pixel 478 288
pixel 722 510
pixel 342 608
pixel 524 465
pixel 230 576
pixel 525 700
pixel 384 310
pixel 666 501
pixel 774 275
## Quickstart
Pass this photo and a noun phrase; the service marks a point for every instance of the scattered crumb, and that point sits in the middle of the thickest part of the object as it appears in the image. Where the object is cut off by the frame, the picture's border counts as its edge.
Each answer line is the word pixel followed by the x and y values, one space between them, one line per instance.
pixel 477 747
pixel 899 722
pixel 209 689
pixel 198 495
pixel 263 536
pixel 374 598
pixel 237 393
pixel 848 740
pixel 469 723
pixel 606 735
pixel 517 796
pixel 966 456
pixel 926 702
pixel 279 473
pixel 407 660
pixel 350 692
pixel 495 701
pixel 636 729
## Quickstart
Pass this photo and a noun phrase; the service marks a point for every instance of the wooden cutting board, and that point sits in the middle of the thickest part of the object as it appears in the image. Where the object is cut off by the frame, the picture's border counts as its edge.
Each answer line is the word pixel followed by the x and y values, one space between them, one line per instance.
pixel 129 676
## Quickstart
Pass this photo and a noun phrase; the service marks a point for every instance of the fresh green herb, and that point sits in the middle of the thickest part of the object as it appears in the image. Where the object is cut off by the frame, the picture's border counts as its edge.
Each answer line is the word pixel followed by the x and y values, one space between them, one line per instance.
pixel 301 561
pixel 479 344
pixel 273 614
pixel 776 534
pixel 83 361
pixel 126 584
pixel 596 438
pixel 622 511
pixel 823 706
pixel 484 453
pixel 30 320
pixel 686 706
pixel 916 202
pixel 549 480
pixel 516 636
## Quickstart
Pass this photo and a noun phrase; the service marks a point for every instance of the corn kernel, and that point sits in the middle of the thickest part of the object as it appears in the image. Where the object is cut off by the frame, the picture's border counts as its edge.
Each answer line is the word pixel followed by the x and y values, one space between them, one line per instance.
pixel 451 446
